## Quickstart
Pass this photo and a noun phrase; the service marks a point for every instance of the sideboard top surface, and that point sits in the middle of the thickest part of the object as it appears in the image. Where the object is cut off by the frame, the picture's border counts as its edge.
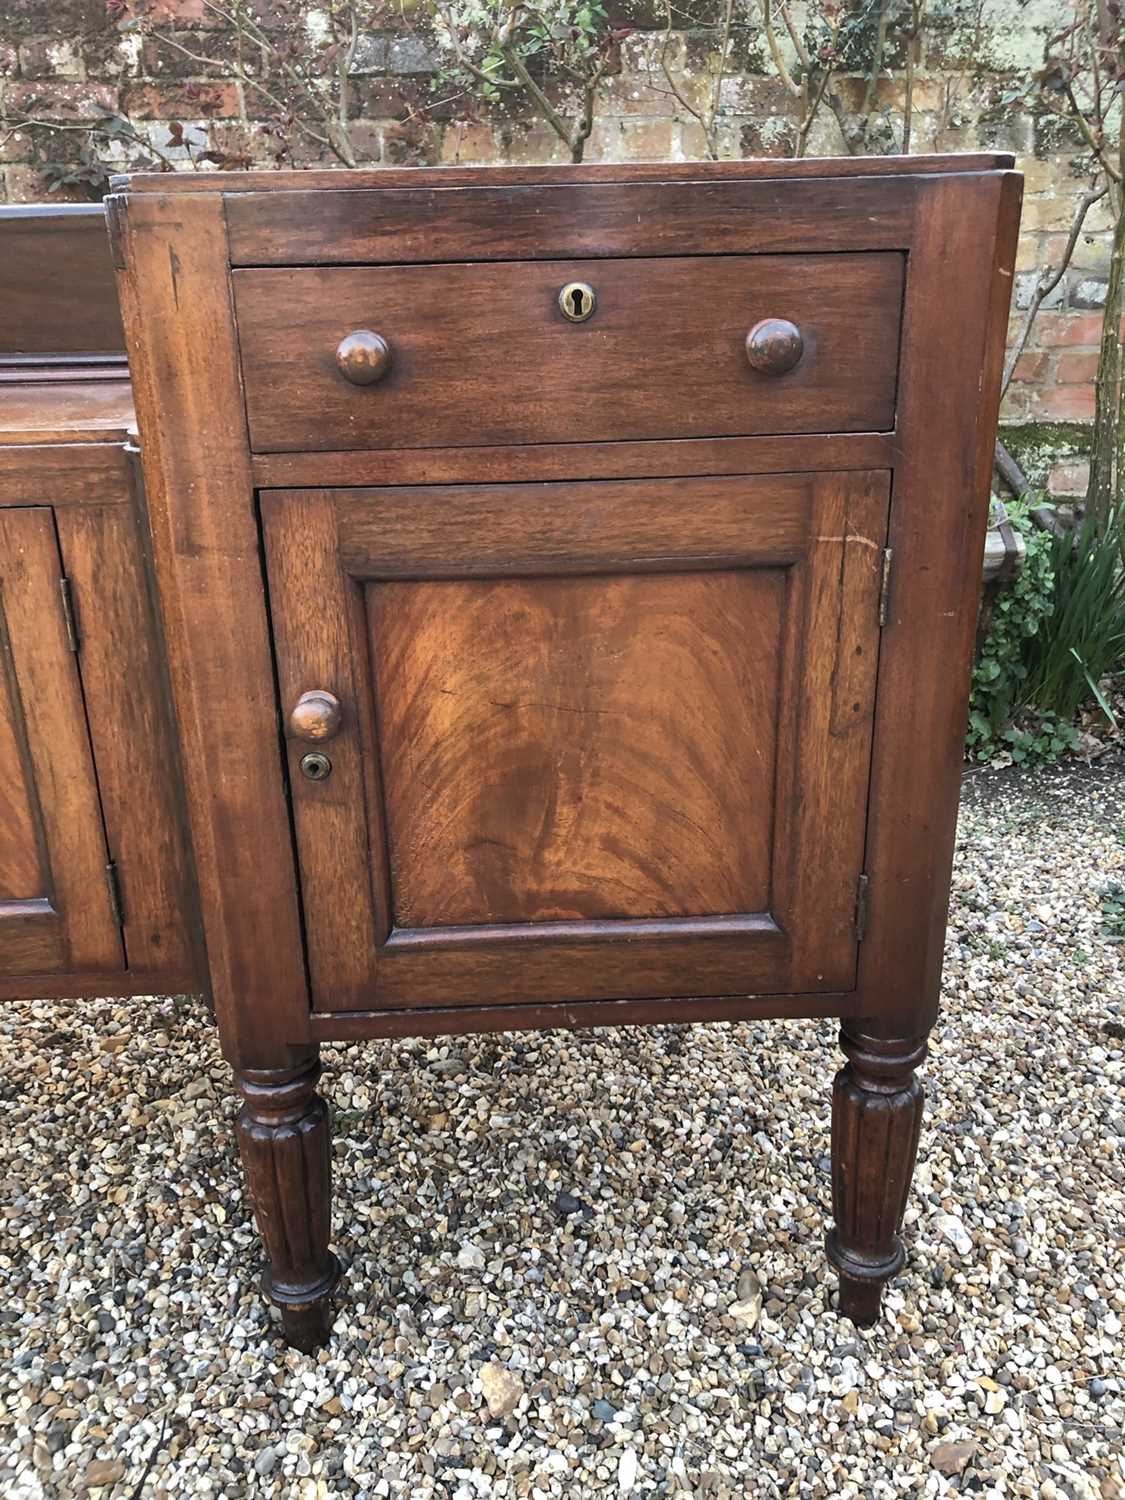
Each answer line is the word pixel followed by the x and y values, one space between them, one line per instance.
pixel 763 168
pixel 66 411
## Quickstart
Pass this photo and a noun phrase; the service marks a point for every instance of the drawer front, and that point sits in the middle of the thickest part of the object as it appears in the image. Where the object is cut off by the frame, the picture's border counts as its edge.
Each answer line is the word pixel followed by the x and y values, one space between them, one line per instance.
pixel 483 354
pixel 578 741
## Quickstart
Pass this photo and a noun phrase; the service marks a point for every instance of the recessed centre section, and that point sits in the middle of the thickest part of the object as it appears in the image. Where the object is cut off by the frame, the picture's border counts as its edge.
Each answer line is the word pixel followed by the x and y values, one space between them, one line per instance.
pixel 578 748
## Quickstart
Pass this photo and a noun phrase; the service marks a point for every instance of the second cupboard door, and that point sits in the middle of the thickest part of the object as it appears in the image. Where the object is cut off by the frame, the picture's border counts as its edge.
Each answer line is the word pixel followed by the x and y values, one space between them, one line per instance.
pixel 578 740
pixel 56 911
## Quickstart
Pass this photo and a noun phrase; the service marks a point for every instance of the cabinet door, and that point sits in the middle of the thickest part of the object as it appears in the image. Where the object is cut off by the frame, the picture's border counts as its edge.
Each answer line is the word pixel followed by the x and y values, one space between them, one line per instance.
pixel 56 912
pixel 598 740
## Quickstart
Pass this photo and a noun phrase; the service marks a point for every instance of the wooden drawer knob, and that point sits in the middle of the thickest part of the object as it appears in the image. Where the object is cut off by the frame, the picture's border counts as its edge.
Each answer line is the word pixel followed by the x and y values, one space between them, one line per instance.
pixel 316 716
pixel 363 357
pixel 774 346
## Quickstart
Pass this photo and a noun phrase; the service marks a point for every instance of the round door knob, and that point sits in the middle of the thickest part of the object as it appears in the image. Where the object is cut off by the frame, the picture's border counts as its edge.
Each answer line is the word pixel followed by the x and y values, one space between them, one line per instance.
pixel 316 716
pixel 774 346
pixel 363 357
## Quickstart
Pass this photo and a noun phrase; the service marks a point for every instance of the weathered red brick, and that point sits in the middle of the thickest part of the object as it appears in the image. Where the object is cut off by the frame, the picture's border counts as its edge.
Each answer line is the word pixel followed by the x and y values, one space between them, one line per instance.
pixel 50 57
pixel 1076 369
pixel 411 144
pixel 1069 478
pixel 468 144
pixel 163 57
pixel 24 184
pixel 1065 403
pixel 1030 368
pixel 172 13
pixel 183 101
pixel 1017 403
pixel 1056 329
pixel 391 98
pixel 60 101
pixel 245 142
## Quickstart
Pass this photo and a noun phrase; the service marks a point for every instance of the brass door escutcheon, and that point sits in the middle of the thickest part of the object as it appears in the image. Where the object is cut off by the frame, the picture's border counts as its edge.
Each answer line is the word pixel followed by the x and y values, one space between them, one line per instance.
pixel 577 301
pixel 316 766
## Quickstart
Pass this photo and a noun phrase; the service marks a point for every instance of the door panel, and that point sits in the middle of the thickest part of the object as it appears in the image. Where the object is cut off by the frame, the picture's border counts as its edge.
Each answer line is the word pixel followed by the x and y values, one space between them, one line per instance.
pixel 21 865
pixel 598 741
pixel 55 907
pixel 570 725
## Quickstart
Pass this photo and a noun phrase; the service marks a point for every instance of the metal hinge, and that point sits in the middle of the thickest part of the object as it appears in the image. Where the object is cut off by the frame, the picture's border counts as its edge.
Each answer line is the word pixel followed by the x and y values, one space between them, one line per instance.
pixel 70 618
pixel 861 908
pixel 116 904
pixel 885 586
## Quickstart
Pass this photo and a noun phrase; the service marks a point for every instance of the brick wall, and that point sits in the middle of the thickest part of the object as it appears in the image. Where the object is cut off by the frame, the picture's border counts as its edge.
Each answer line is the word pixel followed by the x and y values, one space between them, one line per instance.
pixel 68 61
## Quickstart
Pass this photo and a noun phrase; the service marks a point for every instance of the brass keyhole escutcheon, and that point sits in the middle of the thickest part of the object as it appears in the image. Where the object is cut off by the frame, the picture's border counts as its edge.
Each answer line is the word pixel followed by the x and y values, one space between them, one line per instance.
pixel 316 766
pixel 577 301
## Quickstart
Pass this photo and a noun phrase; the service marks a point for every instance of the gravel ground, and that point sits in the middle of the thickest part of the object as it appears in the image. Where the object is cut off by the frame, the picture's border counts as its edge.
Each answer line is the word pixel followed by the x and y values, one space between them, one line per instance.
pixel 575 1227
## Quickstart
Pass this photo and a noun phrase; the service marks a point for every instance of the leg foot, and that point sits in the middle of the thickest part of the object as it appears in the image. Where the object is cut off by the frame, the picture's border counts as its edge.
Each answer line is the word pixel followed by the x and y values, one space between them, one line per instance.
pixel 283 1135
pixel 876 1119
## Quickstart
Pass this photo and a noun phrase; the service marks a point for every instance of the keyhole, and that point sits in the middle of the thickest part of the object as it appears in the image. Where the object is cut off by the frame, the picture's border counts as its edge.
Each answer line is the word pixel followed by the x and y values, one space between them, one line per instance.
pixel 577 301
pixel 315 766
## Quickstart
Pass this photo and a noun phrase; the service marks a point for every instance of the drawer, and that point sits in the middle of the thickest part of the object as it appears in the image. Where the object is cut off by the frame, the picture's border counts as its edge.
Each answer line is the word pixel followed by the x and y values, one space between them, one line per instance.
pixel 483 354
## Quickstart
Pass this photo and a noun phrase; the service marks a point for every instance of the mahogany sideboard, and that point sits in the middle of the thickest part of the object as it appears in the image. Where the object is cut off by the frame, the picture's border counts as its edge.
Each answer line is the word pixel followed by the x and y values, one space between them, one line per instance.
pixel 569 579
pixel 96 889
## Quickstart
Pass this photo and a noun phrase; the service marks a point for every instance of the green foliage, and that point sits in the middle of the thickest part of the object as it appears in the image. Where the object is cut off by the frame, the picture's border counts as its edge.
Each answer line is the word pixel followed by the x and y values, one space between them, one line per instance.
pixel 1113 910
pixel 1052 638
pixel 482 37
pixel 999 688
pixel 1083 638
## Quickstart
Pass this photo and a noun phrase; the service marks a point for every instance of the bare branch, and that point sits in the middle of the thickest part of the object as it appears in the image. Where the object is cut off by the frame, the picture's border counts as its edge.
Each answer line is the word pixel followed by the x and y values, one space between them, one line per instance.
pixel 1049 281
pixel 775 50
pixel 546 108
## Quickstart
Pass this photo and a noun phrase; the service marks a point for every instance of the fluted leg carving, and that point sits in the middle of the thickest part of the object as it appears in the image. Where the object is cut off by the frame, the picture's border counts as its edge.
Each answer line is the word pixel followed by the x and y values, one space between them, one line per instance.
pixel 283 1135
pixel 876 1120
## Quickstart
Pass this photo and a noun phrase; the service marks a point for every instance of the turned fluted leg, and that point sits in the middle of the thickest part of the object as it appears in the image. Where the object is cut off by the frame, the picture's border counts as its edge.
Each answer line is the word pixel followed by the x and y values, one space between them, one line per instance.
pixel 283 1135
pixel 876 1118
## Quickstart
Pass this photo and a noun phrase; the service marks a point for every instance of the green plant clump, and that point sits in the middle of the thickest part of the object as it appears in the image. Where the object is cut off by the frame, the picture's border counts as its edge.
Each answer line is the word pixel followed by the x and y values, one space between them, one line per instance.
pixel 1082 640
pixel 999 687
pixel 1113 911
pixel 1051 640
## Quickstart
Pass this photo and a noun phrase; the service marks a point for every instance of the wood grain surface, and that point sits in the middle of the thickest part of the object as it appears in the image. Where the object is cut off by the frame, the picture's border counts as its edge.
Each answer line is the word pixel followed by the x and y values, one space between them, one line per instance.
pixel 549 221
pixel 70 921
pixel 175 297
pixel 956 308
pixel 569 748
pixel 21 858
pixel 586 173
pixel 129 723
pixel 546 461
pixel 63 248
pixel 500 822
pixel 662 356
